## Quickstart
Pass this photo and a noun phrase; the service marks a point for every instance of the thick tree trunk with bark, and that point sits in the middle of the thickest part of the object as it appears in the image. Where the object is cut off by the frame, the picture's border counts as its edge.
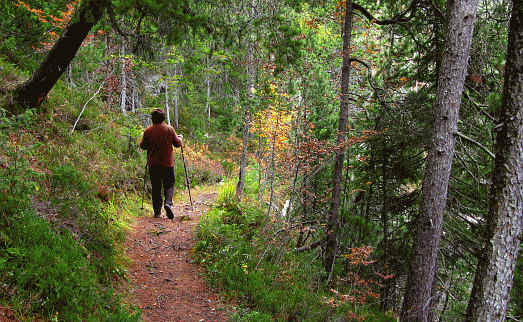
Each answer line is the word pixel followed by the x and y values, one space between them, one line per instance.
pixel 332 222
pixel 461 18
pixel 35 90
pixel 495 273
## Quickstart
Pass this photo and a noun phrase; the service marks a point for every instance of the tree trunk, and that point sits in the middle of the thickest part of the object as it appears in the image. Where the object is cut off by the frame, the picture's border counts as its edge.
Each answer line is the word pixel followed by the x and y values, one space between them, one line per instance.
pixel 35 90
pixel 208 98
pixel 123 96
pixel 176 98
pixel 385 215
pixel 495 272
pixel 70 75
pixel 332 223
pixel 167 111
pixel 461 18
pixel 133 99
pixel 273 157
pixel 247 115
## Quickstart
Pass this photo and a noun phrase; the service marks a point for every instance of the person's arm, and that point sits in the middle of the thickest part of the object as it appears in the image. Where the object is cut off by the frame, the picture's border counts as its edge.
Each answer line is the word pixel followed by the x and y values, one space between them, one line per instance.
pixel 144 144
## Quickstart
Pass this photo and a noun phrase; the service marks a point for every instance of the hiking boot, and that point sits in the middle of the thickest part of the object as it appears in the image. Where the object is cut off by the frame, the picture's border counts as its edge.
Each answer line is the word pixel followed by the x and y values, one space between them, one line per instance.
pixel 168 212
pixel 157 215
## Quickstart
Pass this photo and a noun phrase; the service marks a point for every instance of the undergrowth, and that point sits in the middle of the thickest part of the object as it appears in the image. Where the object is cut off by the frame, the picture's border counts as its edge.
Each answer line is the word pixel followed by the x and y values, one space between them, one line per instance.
pixel 251 259
pixel 66 199
pixel 46 270
pixel 232 249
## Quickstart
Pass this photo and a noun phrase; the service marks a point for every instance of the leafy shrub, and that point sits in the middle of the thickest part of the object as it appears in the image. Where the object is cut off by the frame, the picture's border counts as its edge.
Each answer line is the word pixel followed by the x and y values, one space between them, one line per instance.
pixel 67 177
pixel 246 315
pixel 226 196
pixel 234 257
pixel 228 167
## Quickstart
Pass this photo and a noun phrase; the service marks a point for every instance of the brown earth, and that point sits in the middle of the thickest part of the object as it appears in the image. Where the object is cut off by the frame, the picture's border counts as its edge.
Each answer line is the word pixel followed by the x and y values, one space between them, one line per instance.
pixel 164 282
pixel 7 314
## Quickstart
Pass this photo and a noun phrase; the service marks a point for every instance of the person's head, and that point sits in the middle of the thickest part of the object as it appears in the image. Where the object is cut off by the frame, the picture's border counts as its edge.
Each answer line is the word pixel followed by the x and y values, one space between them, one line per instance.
pixel 157 116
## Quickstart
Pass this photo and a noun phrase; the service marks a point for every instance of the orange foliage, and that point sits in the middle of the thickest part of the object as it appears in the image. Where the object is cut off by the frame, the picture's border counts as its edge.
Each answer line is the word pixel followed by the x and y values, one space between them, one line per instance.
pixel 359 256
pixel 313 23
pixel 57 23
pixel 361 287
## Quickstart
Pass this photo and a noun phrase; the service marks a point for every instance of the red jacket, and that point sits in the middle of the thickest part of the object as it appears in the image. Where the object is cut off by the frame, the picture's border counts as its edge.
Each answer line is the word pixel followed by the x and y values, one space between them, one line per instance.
pixel 158 140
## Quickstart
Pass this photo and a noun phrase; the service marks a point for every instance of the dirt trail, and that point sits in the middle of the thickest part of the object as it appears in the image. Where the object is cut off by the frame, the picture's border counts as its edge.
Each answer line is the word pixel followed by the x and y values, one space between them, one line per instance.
pixel 164 282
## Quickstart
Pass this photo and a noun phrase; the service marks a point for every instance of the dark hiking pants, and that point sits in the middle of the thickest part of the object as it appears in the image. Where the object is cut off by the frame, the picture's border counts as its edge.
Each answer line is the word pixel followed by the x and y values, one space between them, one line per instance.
pixel 161 176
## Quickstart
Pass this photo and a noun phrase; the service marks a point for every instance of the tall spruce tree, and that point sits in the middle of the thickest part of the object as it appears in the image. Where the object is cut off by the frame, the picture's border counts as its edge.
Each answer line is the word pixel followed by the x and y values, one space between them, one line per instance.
pixel 332 221
pixel 452 72
pixel 495 272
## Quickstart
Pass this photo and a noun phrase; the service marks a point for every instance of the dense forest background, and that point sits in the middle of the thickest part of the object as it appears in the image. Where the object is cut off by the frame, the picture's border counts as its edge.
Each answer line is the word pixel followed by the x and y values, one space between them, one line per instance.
pixel 368 155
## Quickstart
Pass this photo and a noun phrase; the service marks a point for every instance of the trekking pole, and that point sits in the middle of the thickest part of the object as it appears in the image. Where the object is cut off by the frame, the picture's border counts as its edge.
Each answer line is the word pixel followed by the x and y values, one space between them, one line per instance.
pixel 186 178
pixel 144 176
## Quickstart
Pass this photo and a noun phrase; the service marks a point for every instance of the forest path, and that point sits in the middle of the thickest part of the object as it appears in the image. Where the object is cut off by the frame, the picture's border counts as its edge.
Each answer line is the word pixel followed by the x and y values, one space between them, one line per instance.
pixel 164 282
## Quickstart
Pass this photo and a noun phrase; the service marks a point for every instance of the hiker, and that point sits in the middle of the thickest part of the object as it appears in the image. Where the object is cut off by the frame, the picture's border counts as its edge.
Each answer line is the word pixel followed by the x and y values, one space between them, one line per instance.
pixel 158 139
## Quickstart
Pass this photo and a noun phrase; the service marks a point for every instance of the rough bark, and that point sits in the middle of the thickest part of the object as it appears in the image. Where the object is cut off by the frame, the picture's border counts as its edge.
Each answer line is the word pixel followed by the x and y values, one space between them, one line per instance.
pixel 461 18
pixel 35 90
pixel 332 222
pixel 495 272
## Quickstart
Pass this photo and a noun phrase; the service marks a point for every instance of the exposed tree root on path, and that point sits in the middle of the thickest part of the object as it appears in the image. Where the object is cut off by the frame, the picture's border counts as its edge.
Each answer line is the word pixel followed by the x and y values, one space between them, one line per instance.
pixel 164 282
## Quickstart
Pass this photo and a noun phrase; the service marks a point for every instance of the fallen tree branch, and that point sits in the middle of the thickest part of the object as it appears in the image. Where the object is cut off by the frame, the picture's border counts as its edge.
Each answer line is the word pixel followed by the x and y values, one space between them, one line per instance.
pixel 85 105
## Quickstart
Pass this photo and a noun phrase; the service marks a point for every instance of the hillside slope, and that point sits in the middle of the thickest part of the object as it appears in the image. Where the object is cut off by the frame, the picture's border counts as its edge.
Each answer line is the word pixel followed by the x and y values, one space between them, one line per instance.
pixel 66 199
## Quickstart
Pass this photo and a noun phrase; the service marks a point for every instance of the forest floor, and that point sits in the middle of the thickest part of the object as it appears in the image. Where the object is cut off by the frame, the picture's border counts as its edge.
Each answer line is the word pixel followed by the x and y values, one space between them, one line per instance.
pixel 163 280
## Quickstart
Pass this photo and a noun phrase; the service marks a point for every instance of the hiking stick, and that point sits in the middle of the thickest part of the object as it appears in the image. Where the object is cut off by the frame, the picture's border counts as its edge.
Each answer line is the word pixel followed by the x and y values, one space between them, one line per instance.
pixel 186 177
pixel 144 176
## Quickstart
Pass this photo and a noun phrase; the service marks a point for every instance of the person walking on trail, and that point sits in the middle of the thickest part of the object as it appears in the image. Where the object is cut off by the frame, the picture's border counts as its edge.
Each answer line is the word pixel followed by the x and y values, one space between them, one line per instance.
pixel 159 139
